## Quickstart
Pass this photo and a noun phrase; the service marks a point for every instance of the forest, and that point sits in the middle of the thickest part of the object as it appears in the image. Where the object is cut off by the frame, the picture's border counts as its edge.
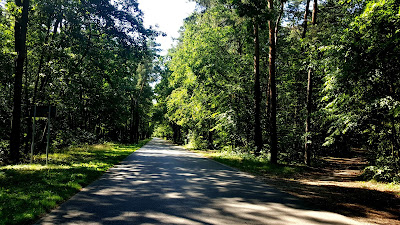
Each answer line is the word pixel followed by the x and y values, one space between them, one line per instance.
pixel 92 60
pixel 287 80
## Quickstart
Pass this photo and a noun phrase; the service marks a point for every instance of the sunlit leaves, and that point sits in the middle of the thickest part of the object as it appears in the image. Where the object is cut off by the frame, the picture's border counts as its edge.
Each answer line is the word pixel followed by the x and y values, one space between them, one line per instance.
pixel 208 75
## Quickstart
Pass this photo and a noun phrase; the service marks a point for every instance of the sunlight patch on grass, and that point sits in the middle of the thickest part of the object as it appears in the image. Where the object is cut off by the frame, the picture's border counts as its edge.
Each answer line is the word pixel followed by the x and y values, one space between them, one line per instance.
pixel 28 167
pixel 28 191
pixel 386 187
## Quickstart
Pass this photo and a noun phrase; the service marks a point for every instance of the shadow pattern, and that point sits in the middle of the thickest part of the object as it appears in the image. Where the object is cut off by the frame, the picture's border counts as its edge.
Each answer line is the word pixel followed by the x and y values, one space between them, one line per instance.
pixel 164 184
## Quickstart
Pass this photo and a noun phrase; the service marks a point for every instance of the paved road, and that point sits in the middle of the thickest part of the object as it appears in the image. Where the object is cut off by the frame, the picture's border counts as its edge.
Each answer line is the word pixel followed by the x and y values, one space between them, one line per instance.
pixel 164 184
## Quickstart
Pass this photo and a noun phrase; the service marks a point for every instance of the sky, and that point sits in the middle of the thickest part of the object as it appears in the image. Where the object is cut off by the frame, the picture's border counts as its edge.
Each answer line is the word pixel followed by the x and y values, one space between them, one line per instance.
pixel 168 15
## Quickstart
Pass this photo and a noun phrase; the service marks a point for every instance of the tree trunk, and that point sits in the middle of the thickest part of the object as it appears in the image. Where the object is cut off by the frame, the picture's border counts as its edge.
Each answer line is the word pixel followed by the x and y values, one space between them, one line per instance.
pixel 268 103
pixel 272 88
pixel 315 12
pixel 307 145
pixel 305 23
pixel 176 136
pixel 136 124
pixel 21 25
pixel 28 113
pixel 257 92
pixel 395 139
pixel 132 124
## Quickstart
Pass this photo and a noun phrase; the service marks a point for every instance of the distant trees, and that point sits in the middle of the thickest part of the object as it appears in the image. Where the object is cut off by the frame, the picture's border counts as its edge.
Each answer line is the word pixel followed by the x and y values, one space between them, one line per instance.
pixel 335 79
pixel 209 69
pixel 92 59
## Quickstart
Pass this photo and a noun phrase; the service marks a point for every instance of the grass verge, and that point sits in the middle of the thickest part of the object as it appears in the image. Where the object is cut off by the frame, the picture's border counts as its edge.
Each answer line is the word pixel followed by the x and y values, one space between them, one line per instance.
pixel 28 191
pixel 251 164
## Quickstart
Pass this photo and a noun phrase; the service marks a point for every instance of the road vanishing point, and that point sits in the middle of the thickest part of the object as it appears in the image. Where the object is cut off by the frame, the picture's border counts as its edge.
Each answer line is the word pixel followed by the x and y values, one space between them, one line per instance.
pixel 162 183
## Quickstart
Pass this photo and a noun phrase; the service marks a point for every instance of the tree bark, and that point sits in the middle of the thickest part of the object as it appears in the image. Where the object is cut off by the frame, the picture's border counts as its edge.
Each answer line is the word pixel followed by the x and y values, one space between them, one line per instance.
pixel 135 120
pixel 276 41
pixel 136 124
pixel 305 23
pixel 307 144
pixel 28 112
pixel 21 25
pixel 315 12
pixel 272 88
pixel 257 92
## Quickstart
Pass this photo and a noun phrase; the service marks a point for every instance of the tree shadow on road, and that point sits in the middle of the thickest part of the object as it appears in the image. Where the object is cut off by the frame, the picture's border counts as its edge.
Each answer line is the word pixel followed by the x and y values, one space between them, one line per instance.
pixel 363 204
pixel 163 184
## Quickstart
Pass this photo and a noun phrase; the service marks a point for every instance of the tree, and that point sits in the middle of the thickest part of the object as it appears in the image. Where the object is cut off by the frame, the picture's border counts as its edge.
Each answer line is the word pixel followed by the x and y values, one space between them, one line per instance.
pixel 90 59
pixel 309 103
pixel 21 26
pixel 6 78
pixel 257 92
pixel 211 80
pixel 272 86
pixel 363 94
pixel 254 10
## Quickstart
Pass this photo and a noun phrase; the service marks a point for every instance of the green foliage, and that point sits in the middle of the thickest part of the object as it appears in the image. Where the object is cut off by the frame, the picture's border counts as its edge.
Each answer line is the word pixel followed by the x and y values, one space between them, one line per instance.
pixel 6 72
pixel 382 174
pixel 352 51
pixel 209 80
pixel 363 94
pixel 164 131
pixel 95 60
pixel 92 59
pixel 28 191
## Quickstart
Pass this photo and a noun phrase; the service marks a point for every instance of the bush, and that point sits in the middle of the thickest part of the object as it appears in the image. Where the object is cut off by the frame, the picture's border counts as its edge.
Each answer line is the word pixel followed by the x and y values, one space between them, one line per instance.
pixel 73 137
pixel 4 148
pixel 382 174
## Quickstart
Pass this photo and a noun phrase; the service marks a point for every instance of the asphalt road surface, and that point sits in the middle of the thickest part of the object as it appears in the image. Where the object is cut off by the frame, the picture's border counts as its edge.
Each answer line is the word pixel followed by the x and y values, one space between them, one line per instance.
pixel 165 184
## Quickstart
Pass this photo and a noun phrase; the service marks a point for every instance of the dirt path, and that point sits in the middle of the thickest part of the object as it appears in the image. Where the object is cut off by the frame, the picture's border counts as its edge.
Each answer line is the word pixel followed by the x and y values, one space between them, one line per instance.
pixel 334 187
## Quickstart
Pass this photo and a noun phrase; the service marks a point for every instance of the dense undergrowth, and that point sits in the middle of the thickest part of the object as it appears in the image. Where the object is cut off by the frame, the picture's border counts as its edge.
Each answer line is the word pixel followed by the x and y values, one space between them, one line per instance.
pixel 30 190
pixel 261 166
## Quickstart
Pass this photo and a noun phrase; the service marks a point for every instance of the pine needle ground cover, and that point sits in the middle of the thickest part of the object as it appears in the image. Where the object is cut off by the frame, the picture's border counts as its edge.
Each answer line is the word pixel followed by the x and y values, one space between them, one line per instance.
pixel 30 190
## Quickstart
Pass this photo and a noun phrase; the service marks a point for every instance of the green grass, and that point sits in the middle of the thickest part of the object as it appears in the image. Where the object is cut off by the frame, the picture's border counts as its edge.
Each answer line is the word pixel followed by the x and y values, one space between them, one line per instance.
pixel 262 167
pixel 249 163
pixel 30 190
